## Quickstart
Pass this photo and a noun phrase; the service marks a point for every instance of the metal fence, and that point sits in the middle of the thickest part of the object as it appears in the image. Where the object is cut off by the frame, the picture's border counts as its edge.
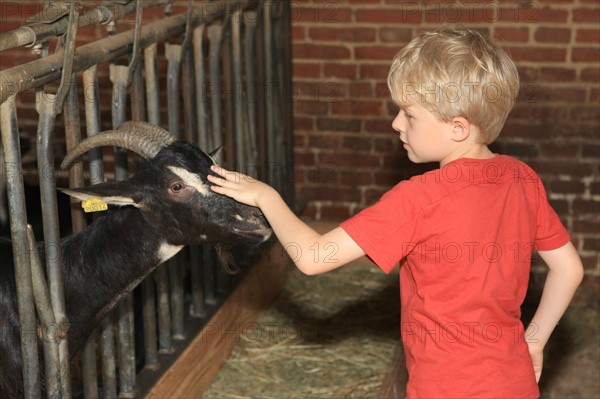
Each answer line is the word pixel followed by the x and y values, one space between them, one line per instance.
pixel 227 83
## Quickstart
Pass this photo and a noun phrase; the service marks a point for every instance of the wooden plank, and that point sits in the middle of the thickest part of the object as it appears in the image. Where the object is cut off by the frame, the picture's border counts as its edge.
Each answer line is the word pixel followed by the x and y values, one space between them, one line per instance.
pixel 394 383
pixel 195 369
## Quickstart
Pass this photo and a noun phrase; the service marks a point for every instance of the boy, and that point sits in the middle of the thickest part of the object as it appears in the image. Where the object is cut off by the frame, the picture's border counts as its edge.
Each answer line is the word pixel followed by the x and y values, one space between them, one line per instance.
pixel 463 234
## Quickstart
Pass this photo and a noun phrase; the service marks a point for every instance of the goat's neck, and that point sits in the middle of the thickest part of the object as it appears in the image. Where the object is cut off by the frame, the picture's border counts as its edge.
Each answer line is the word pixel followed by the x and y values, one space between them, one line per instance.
pixel 121 249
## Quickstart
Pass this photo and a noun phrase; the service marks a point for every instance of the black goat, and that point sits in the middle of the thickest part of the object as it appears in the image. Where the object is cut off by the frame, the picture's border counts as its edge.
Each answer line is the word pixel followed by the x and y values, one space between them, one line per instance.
pixel 166 205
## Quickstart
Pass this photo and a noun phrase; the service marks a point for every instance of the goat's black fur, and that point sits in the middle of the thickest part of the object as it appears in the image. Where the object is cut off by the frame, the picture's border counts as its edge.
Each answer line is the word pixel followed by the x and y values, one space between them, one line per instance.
pixel 105 262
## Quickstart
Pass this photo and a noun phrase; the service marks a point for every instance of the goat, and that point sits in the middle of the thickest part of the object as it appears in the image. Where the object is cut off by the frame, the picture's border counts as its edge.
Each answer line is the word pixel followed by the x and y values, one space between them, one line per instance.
pixel 166 205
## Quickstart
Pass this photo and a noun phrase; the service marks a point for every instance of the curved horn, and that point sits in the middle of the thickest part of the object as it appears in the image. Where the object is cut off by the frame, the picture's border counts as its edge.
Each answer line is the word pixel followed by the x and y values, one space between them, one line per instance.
pixel 142 138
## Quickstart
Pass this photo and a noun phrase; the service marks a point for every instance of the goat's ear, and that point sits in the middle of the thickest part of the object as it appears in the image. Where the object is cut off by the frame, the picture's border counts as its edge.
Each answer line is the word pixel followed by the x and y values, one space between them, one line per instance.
pixel 114 193
pixel 217 155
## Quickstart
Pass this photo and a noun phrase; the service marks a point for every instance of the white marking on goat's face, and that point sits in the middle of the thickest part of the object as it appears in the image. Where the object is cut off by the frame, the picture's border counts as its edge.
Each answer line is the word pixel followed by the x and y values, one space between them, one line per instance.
pixel 167 251
pixel 238 217
pixel 191 180
pixel 203 237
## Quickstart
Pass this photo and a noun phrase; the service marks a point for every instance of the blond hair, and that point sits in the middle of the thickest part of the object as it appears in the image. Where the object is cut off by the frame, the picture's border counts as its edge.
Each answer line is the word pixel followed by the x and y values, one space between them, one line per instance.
pixel 456 72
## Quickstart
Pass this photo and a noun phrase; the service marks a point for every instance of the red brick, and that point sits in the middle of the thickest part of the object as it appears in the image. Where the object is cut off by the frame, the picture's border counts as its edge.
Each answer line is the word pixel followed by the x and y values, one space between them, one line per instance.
pixel 318 91
pixel 320 51
pixel 375 52
pixel 410 13
pixel 301 69
pixel 557 74
pixel 396 35
pixel 311 107
pixel 591 15
pixel 298 33
pixel 338 124
pixel 328 193
pixel 566 187
pixel 590 74
pixel 347 71
pixel 352 160
pixel 538 54
pixel 329 13
pixel 588 35
pixel 335 212
pixel 322 141
pixel 582 206
pixel 345 34
pixel 361 89
pixel 374 71
pixel 456 14
pixel 357 143
pixel 356 108
pixel 379 126
pixel 511 34
pixel 585 54
pixel 591 113
pixel 552 35
pixel 548 14
pixel 356 178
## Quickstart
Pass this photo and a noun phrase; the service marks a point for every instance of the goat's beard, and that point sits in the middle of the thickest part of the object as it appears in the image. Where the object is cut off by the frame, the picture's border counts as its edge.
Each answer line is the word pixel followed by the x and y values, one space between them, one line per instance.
pixel 226 258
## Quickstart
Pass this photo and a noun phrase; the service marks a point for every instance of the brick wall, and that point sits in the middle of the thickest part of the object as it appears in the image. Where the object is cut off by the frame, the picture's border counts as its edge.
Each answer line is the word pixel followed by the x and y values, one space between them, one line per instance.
pixel 347 155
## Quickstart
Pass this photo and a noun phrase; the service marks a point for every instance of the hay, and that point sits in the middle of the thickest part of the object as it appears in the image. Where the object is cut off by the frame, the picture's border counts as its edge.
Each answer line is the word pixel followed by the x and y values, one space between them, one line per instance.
pixel 328 336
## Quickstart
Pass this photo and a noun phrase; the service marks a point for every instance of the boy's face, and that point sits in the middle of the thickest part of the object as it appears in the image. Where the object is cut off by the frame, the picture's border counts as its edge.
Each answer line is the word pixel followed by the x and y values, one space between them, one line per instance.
pixel 424 136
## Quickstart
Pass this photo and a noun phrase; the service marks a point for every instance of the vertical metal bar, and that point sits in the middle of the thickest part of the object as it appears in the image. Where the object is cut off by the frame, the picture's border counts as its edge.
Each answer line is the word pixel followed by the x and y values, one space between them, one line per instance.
pixel 187 85
pixel 198 307
pixel 119 76
pixel 73 137
pixel 251 94
pixel 160 276
pixel 260 103
pixel 165 344
pixel 96 168
pixel 286 103
pixel 215 37
pixel 109 378
pixel 92 122
pixel 148 291
pixel 49 328
pixel 152 86
pixel 202 138
pixel 238 85
pixel 215 31
pixel 47 114
pixel 269 96
pixel 18 229
pixel 208 260
pixel 173 55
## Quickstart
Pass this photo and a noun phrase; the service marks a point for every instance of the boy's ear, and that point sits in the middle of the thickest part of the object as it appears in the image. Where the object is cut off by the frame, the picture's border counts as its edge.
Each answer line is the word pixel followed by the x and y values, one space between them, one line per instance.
pixel 115 193
pixel 461 128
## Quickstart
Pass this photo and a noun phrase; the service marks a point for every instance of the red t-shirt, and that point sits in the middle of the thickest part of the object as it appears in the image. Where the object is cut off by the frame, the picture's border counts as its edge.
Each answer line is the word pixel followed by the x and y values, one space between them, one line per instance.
pixel 463 235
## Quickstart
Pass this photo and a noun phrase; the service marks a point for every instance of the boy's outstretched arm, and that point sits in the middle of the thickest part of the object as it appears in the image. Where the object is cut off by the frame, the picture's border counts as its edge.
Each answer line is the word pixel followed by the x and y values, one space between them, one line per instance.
pixel 312 252
pixel 564 276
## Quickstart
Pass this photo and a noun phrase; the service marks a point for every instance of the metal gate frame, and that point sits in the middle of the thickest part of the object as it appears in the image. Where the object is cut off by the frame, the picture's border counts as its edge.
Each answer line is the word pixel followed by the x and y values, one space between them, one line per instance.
pixel 237 93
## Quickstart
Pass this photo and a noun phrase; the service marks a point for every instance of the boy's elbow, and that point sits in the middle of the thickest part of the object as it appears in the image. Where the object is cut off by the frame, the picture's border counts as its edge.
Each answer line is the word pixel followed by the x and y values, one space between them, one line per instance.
pixel 309 269
pixel 579 273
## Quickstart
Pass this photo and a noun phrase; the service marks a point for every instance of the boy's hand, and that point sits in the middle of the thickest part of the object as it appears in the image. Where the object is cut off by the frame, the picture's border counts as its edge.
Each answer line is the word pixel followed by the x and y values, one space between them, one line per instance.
pixel 537 356
pixel 242 188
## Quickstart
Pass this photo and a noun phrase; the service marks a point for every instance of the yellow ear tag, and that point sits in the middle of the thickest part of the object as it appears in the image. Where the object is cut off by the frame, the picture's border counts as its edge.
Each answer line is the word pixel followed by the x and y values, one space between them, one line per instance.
pixel 94 205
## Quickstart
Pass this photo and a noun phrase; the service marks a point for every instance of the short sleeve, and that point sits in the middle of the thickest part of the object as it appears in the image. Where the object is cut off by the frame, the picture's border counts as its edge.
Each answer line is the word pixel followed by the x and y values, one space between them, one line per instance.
pixel 387 230
pixel 551 234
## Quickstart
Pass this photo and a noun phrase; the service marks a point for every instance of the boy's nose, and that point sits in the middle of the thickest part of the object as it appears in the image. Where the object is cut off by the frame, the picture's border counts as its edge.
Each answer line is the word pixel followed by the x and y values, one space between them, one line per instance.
pixel 397 123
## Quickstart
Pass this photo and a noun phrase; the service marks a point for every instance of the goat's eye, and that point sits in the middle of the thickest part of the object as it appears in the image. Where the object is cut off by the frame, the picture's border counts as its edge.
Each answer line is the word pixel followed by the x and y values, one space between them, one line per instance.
pixel 177 187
